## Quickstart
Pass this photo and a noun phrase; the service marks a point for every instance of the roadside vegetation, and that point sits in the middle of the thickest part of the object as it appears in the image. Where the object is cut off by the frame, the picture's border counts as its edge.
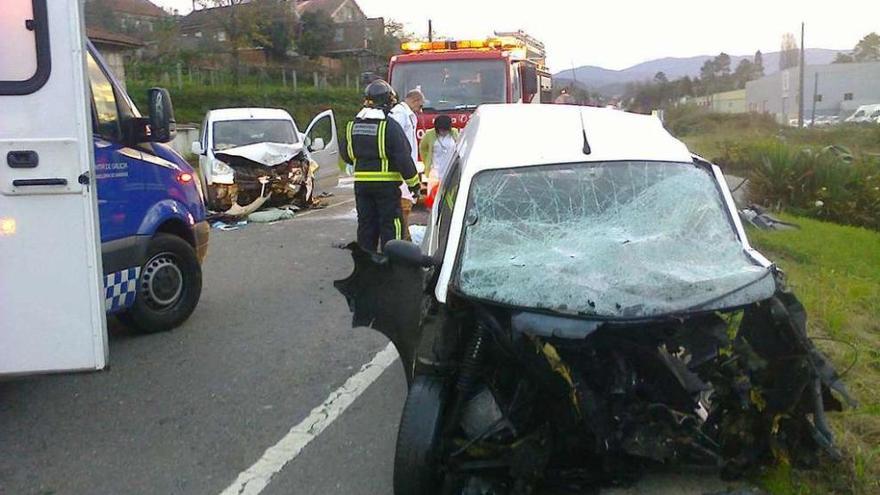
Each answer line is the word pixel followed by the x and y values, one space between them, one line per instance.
pixel 835 271
pixel 192 101
pixel 826 173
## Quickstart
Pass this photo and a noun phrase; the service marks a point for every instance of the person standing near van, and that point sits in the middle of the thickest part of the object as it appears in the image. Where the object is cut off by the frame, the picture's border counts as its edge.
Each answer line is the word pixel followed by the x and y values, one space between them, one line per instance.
pixel 438 146
pixel 406 114
pixel 379 151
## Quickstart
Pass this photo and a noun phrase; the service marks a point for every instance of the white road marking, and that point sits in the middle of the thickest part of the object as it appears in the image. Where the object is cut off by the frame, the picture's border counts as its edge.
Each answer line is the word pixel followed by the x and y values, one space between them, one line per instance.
pixel 254 479
pixel 336 205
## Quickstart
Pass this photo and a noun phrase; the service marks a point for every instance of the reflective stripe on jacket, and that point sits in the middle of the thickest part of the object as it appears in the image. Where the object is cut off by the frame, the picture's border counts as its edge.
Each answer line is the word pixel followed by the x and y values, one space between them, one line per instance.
pixel 378 150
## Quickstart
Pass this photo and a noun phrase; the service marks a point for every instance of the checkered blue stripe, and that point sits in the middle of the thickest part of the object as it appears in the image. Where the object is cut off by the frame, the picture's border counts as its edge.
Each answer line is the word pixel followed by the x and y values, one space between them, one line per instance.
pixel 120 289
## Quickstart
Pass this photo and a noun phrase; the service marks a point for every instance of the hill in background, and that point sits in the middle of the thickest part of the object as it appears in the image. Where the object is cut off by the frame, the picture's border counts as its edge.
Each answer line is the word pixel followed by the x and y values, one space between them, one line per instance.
pixel 613 82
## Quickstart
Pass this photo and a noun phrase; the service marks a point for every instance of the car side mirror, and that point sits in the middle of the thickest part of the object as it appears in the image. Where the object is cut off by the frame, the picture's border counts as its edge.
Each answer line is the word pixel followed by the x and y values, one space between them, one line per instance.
pixel 163 127
pixel 529 78
pixel 407 253
pixel 317 144
pixel 197 148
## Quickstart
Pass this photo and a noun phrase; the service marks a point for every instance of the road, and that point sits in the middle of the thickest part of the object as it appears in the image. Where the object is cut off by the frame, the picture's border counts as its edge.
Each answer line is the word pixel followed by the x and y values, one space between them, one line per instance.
pixel 194 411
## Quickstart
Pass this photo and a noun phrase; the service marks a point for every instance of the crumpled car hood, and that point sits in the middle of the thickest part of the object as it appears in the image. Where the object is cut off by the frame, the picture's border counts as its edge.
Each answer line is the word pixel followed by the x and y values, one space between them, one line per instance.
pixel 269 154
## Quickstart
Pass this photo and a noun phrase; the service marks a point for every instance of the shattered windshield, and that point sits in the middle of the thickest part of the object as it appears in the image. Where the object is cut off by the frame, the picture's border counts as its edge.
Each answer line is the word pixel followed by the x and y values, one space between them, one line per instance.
pixel 234 133
pixel 453 84
pixel 612 240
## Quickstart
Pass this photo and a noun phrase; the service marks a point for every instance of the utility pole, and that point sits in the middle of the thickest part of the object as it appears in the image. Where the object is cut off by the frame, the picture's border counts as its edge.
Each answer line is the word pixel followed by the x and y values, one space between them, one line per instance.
pixel 815 97
pixel 801 84
pixel 430 30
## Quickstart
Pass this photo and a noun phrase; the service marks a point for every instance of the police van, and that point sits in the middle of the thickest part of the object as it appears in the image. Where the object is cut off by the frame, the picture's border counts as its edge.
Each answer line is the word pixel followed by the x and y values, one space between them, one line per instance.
pixel 78 158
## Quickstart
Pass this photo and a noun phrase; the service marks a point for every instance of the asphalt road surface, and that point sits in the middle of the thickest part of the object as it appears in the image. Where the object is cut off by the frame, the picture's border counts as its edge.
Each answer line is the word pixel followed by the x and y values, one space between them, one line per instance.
pixel 218 405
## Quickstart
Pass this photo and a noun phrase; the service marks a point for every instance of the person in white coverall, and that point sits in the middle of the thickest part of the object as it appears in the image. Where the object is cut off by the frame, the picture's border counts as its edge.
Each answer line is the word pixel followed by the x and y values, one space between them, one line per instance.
pixel 405 114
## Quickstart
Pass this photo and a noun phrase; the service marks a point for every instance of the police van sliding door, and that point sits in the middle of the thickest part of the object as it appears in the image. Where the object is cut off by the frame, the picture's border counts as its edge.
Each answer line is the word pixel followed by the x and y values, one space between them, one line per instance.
pixel 51 309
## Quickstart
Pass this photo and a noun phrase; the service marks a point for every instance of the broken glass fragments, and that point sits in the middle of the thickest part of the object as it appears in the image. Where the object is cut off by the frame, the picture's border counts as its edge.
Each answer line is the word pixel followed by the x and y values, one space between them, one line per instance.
pixel 616 239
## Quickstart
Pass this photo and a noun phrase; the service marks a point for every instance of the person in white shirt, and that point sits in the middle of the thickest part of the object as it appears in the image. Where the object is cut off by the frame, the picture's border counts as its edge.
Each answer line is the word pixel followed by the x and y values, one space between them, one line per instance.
pixel 405 114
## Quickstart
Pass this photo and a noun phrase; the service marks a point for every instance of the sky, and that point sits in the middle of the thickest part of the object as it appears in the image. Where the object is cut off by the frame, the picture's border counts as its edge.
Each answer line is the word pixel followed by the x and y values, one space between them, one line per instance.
pixel 617 34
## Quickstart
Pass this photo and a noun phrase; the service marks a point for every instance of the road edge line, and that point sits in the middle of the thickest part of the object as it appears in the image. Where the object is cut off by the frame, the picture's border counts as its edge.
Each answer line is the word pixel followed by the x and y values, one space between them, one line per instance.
pixel 256 478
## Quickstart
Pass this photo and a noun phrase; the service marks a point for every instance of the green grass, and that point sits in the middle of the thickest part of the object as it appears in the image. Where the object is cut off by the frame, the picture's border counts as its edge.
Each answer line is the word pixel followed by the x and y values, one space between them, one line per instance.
pixel 835 271
pixel 192 101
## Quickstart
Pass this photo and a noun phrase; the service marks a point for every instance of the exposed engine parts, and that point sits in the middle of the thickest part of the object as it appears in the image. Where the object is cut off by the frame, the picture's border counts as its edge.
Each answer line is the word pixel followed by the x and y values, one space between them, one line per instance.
pixel 511 401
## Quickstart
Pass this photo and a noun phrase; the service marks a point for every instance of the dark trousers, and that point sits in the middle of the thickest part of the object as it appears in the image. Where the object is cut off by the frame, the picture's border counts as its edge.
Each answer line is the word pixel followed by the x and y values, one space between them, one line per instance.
pixel 379 214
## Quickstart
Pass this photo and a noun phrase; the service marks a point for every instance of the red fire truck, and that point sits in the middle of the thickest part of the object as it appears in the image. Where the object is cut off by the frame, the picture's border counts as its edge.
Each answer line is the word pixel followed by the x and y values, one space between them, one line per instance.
pixel 457 76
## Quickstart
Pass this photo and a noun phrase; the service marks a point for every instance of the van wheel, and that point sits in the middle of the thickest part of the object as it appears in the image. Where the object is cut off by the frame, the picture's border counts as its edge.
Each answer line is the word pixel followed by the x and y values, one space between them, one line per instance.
pixel 169 286
pixel 415 464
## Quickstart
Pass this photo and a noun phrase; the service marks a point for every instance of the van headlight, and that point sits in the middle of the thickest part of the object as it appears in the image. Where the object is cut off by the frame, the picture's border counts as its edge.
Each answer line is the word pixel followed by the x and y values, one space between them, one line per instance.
pixel 221 168
pixel 222 173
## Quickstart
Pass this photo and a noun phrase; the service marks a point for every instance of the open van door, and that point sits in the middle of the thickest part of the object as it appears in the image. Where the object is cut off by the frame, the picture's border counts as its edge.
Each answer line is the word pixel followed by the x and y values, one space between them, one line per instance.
pixel 51 306
pixel 323 146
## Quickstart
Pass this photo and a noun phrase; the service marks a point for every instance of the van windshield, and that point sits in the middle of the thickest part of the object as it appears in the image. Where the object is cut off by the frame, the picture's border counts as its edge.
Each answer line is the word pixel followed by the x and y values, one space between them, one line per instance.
pixel 234 133
pixel 612 240
pixel 453 84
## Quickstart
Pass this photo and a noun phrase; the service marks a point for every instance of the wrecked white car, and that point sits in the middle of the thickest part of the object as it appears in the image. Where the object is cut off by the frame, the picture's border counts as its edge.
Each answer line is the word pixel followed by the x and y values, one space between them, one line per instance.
pixel 251 157
pixel 586 305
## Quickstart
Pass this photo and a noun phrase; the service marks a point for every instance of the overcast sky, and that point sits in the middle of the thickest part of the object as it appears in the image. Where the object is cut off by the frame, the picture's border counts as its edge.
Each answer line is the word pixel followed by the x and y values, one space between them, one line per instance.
pixel 619 33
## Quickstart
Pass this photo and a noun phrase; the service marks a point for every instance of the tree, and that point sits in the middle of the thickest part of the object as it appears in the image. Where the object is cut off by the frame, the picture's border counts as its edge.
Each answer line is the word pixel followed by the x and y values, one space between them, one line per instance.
pixel 868 49
pixel 239 20
pixel 99 13
pixel 789 56
pixel 277 28
pixel 759 64
pixel 389 44
pixel 744 73
pixel 843 58
pixel 660 78
pixel 722 64
pixel 315 33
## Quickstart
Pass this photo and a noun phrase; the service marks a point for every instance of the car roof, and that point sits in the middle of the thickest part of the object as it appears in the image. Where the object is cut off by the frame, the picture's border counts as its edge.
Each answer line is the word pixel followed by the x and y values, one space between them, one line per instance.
pixel 249 114
pixel 517 135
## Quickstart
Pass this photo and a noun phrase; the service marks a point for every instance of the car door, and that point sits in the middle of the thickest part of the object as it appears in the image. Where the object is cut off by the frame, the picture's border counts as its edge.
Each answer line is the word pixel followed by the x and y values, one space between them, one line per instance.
pixel 323 146
pixel 51 302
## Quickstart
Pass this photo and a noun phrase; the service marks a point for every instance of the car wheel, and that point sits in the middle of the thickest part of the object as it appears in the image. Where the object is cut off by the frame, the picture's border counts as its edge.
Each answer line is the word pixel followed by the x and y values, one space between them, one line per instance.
pixel 415 466
pixel 168 288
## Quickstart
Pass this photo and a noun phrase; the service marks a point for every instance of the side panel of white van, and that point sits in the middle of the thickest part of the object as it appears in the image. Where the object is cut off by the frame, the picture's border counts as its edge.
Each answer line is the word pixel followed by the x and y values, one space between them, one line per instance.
pixel 51 302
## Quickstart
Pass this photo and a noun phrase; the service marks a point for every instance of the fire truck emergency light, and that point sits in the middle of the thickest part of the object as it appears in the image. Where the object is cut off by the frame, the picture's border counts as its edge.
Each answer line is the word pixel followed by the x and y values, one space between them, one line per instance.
pixel 489 43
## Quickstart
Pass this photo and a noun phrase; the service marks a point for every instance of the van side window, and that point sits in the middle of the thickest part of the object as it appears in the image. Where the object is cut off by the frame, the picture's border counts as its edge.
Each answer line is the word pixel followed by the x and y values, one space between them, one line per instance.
pixel 24 50
pixel 106 115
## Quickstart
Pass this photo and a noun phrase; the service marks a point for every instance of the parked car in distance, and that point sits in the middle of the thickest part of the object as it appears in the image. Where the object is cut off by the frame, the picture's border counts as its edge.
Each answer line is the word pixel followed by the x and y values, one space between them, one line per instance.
pixel 865 114
pixel 247 153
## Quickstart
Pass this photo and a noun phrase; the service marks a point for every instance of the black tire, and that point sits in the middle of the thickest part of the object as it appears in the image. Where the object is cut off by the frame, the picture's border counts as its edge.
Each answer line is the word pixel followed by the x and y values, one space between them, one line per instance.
pixel 415 469
pixel 169 286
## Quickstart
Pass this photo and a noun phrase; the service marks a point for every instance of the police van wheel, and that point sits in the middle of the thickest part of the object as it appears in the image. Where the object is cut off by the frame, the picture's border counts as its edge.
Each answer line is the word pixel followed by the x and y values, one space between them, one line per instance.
pixel 169 286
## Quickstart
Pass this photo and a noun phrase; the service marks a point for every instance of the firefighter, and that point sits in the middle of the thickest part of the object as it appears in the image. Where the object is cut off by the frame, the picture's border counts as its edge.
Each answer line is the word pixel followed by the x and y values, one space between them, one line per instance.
pixel 381 156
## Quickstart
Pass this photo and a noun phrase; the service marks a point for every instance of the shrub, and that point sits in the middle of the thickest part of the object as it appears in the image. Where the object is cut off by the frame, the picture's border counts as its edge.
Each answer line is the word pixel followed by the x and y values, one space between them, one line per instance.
pixel 827 183
pixel 192 101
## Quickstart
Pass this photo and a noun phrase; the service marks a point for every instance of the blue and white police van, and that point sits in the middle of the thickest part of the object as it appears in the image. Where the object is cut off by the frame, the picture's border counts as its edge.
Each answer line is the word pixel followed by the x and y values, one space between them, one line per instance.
pixel 97 215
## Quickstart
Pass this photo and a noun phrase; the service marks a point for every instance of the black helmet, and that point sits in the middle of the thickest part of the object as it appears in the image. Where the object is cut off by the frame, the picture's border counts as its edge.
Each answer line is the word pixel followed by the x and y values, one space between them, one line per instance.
pixel 380 94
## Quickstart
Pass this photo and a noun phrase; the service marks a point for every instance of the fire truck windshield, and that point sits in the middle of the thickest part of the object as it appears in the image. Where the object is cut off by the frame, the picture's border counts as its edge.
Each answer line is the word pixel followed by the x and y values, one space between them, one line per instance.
pixel 453 84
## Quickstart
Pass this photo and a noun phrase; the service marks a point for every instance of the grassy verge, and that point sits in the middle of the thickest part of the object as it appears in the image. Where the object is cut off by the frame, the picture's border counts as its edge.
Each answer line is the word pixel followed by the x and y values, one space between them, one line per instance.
pixel 835 271
pixel 192 101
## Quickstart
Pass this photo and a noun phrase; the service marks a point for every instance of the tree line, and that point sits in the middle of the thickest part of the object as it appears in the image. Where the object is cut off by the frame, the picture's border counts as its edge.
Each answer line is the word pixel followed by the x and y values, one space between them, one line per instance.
pixel 717 74
pixel 270 25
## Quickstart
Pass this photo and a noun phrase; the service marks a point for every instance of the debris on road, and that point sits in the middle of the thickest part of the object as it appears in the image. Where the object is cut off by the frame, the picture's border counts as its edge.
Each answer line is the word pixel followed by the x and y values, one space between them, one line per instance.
pixel 273 214
pixel 758 217
pixel 228 226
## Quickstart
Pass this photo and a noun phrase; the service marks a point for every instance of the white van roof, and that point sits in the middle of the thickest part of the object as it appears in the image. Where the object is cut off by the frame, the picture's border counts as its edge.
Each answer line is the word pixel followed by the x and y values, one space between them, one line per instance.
pixel 249 114
pixel 514 135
